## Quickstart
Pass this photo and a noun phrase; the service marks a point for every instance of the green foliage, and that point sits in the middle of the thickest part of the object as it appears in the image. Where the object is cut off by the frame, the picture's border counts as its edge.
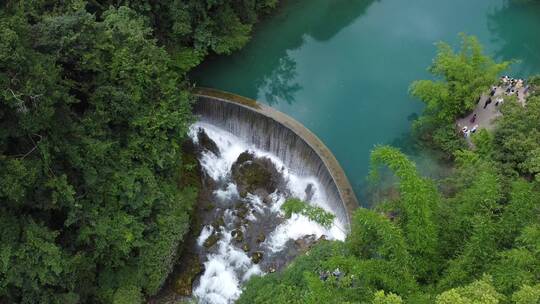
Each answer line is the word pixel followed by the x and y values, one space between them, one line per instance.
pixel 96 198
pixel 479 242
pixel 478 292
pixel 517 137
pixel 461 78
pixel 527 294
pixel 127 295
pixel 417 204
pixel 374 236
pixel 94 107
pixel 381 298
pixel 193 28
pixel 483 141
pixel 316 214
pixel 534 83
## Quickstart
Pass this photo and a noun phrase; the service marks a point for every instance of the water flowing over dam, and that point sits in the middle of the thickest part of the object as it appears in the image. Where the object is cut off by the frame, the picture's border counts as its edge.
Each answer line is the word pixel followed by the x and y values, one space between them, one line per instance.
pixel 274 132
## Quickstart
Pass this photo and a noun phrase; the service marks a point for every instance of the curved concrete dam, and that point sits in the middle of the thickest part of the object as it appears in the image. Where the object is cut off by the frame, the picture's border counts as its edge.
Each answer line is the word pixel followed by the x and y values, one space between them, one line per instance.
pixel 274 132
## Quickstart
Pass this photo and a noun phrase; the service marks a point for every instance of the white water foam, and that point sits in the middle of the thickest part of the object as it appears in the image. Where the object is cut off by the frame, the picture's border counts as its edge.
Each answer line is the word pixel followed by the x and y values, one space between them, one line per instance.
pixel 227 194
pixel 229 266
pixel 206 232
pixel 220 282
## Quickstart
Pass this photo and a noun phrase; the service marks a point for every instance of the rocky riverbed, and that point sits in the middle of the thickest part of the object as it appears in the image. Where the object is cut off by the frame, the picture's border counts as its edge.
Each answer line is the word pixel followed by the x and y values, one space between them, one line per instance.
pixel 240 230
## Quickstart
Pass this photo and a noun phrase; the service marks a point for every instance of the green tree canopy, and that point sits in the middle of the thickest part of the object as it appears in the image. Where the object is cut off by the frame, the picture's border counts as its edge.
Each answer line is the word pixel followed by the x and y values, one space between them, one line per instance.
pixel 461 77
pixel 94 106
pixel 477 242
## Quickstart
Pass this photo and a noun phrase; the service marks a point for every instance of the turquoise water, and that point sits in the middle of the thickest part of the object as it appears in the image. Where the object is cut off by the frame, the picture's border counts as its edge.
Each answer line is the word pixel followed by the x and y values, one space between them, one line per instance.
pixel 343 67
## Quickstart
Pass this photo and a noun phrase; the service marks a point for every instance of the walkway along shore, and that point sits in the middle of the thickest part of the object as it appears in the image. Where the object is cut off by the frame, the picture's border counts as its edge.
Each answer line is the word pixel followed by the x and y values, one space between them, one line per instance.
pixel 486 114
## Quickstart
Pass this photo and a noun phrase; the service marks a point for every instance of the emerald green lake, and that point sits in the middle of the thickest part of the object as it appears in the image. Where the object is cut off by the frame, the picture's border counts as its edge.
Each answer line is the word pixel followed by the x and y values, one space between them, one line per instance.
pixel 343 67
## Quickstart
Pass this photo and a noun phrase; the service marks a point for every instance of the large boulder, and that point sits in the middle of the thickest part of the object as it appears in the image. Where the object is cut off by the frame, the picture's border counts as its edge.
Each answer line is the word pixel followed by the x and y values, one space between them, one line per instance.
pixel 206 143
pixel 256 175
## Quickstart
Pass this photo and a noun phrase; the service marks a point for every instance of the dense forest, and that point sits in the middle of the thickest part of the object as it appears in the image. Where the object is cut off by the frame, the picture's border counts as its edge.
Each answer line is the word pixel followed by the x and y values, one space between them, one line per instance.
pixel 96 196
pixel 472 238
pixel 94 105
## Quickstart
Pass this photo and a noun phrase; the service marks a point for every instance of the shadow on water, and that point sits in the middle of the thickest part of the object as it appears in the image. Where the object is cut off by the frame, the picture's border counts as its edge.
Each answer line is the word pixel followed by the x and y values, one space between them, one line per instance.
pixel 280 84
pixel 269 70
pixel 516 35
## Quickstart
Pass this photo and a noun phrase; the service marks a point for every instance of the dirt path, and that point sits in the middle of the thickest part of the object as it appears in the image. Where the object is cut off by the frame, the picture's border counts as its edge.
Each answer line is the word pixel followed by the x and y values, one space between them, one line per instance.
pixel 486 114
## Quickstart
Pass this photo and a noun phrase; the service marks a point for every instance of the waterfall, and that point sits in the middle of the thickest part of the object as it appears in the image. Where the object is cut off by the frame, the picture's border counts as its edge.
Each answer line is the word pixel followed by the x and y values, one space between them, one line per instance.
pixel 230 262
pixel 272 131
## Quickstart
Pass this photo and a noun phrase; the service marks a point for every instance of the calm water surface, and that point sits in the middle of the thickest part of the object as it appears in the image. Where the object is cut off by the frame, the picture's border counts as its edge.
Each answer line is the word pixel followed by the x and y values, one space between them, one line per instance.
pixel 343 67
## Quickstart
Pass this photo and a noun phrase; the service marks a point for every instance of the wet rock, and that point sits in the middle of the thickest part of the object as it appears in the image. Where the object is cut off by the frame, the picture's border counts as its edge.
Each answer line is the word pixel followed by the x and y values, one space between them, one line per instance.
pixel 237 235
pixel 208 183
pixel 309 192
pixel 218 223
pixel 261 238
pixel 206 142
pixel 245 157
pixel 208 206
pixel 242 222
pixel 257 257
pixel 241 210
pixel 245 247
pixel 183 285
pixel 267 200
pixel 211 240
pixel 253 174
pixel 305 243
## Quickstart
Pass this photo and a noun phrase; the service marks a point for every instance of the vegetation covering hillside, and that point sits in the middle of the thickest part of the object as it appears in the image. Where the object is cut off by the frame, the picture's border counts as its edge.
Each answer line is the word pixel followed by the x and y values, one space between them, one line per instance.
pixel 473 238
pixel 94 105
pixel 95 194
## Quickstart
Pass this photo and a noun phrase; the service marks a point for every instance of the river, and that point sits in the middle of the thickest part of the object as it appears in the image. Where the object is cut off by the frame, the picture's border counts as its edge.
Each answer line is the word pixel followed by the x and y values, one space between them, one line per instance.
pixel 343 67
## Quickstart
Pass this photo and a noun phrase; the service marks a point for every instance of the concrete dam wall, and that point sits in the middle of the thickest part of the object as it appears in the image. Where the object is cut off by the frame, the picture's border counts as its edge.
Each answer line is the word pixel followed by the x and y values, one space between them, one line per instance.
pixel 274 132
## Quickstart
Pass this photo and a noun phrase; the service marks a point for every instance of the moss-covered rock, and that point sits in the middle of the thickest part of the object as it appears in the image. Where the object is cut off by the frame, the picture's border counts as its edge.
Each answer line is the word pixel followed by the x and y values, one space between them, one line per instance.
pixel 211 240
pixel 208 206
pixel 261 237
pixel 257 257
pixel 237 235
pixel 253 174
pixel 307 242
pixel 183 285
pixel 241 210
pixel 206 143
pixel 191 168
pixel 267 200
pixel 218 223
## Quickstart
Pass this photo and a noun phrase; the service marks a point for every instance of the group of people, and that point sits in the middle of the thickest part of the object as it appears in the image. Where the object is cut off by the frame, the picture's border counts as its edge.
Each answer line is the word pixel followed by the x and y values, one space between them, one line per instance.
pixel 510 86
pixel 324 275
pixel 498 99
pixel 513 85
pixel 467 132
